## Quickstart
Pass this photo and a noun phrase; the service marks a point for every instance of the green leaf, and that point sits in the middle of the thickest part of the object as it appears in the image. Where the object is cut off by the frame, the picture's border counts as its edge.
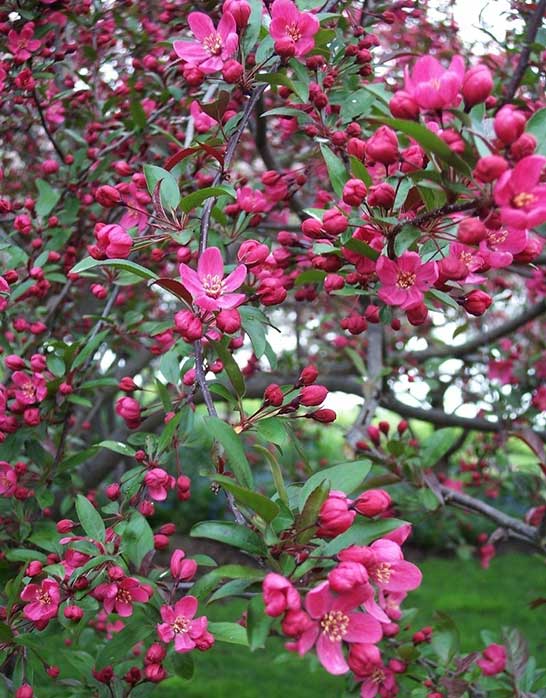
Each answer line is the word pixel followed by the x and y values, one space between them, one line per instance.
pixel 276 472
pixel 537 126
pixel 443 297
pixel 196 198
pixel 430 142
pixel 344 476
pixel 206 584
pixel 5 633
pixel 359 170
pixel 445 639
pixel 272 430
pixel 305 522
pixel 258 623
pixel 361 533
pixel 168 189
pixel 137 539
pixel 47 198
pixel 290 111
pixel 233 448
pixel 118 447
pixel 362 248
pixel 182 665
pixel 232 534
pixel 336 169
pixel 88 349
pixel 263 506
pixel 90 519
pixel 138 115
pixel 405 239
pixel 310 276
pixel 121 264
pixel 437 445
pixel 120 645
pixel 233 633
pixel 56 365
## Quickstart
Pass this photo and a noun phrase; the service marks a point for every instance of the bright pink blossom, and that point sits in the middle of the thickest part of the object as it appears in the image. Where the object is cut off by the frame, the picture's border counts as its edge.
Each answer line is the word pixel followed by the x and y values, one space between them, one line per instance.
pixel 521 196
pixel 213 46
pixel 501 245
pixel 29 389
pixel 335 622
pixel 493 660
pixel 404 281
pixel 21 44
pixel 158 482
pixel 180 625
pixel 432 86
pixel 292 27
pixel 42 600
pixel 208 287
pixel 119 596
pixel 8 479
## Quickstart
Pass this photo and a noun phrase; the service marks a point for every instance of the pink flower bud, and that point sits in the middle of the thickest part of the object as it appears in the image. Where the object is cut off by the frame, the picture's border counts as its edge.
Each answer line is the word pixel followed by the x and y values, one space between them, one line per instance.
pixel 155 654
pixel 333 282
pixel 65 526
pixel 347 576
pixel 155 673
pixel 107 196
pixel 509 124
pixel 335 517
pixel 493 660
pixel 34 568
pixel 232 71
pixel 477 85
pixel 325 416
pixel 372 502
pixel 252 252
pixel 490 168
pixel 334 222
pixel 383 146
pixel 403 106
pixel 181 568
pixel 313 395
pixel 382 195
pixel 279 595
pixel 127 384
pixel 312 228
pixel 471 231
pixel 74 613
pixel 113 491
pixel 308 375
pixel 229 321
pixel 524 146
pixel 14 362
pixel 418 314
pixel 354 192
pixel 189 325
pixel 50 167
pixel 477 302
pixel 129 409
pixel 364 658
pixel 273 395
pixel 24 691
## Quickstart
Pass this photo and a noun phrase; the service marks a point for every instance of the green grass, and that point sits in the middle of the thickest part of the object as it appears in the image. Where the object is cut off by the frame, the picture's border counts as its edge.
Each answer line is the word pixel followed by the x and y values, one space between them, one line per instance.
pixel 475 599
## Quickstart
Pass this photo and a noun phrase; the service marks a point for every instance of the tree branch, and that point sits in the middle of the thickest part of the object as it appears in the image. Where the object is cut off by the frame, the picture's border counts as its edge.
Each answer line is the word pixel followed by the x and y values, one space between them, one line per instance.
pixel 533 25
pixel 482 339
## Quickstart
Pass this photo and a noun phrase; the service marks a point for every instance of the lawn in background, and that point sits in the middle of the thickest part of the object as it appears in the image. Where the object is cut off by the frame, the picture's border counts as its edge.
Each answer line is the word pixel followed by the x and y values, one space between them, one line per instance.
pixel 475 599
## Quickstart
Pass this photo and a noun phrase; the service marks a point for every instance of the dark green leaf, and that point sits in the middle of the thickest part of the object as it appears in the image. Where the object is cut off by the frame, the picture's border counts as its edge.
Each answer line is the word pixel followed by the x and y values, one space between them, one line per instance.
pixel 233 633
pixel 361 533
pixel 537 126
pixel 121 264
pixel 231 368
pixel 137 539
pixel 405 239
pixel 118 447
pixel 336 169
pixel 168 189
pixel 345 477
pixel 263 506
pixel 305 522
pixel 206 584
pixel 258 623
pixel 90 519
pixel 196 198
pixel 230 533
pixel 233 448
pixel 437 445
pixel 47 198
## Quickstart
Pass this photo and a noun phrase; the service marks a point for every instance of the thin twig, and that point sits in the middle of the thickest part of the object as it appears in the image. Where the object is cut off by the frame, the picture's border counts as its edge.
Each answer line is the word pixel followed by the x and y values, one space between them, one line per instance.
pixel 46 127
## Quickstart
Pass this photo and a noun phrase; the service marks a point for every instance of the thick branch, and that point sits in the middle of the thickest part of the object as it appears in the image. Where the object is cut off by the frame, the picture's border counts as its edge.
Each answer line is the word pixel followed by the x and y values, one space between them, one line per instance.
pixel 482 339
pixel 533 25
pixel 465 501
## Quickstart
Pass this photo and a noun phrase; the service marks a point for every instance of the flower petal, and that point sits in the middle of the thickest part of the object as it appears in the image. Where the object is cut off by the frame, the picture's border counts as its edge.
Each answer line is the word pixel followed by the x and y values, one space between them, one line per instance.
pixel 331 656
pixel 363 628
pixel 210 263
pixel 235 279
pixel 201 25
pixel 319 600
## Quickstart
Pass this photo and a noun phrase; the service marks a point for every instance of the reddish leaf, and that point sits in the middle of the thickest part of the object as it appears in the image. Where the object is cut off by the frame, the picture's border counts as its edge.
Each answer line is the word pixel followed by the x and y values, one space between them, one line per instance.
pixel 176 288
pixel 180 155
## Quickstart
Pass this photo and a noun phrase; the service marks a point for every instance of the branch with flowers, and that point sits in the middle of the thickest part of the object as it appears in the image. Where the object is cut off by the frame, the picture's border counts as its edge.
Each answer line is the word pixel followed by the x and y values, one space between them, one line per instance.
pixel 184 196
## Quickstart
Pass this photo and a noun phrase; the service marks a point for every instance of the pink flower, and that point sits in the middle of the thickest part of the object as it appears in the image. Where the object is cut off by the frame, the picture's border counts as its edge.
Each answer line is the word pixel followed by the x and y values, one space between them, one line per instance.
pixel 335 622
pixel 119 596
pixel 21 44
pixel 29 389
pixel 432 86
pixel 208 287
pixel 114 241
pixel 335 515
pixel 388 569
pixel 521 197
pixel 493 660
pixel 501 245
pixel 404 280
pixel 292 27
pixel 203 122
pixel 179 624
pixel 380 681
pixel 213 46
pixel 8 479
pixel 279 595
pixel 158 482
pixel 42 600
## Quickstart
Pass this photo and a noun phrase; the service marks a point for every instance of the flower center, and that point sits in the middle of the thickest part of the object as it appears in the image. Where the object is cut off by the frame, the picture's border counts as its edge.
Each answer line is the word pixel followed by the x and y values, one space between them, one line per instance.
pixel 293 31
pixel 406 279
pixel 4 481
pixel 382 572
pixel 44 598
pixel 213 44
pixel 466 257
pixel 213 285
pixel 123 596
pixel 181 624
pixel 377 676
pixel 334 625
pixel 523 199
pixel 497 236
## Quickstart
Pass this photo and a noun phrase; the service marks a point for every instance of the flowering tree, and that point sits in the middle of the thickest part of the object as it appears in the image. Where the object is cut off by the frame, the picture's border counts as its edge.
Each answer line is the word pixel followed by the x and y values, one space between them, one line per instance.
pixel 177 186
